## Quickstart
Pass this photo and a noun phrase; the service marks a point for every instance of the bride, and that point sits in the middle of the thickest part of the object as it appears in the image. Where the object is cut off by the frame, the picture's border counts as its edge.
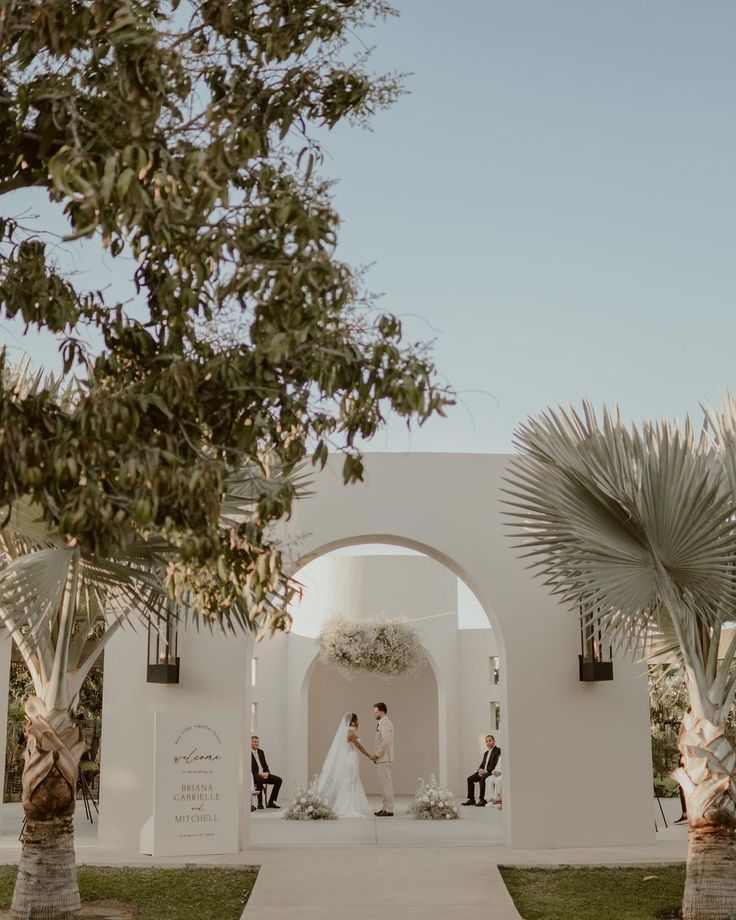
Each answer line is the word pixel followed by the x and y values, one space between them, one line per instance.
pixel 339 782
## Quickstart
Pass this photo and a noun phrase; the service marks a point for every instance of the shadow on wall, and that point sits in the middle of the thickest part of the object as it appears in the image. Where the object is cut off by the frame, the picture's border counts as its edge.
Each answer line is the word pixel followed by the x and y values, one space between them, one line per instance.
pixel 412 707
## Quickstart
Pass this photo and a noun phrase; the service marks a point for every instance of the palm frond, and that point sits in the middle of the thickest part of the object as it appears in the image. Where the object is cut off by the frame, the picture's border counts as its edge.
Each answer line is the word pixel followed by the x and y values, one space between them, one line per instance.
pixel 25 529
pixel 31 588
pixel 245 487
pixel 722 424
pixel 613 519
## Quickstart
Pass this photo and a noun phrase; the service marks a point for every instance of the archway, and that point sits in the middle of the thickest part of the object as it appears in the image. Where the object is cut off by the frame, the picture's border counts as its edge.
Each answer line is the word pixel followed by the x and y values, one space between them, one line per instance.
pixel 441 714
pixel 447 506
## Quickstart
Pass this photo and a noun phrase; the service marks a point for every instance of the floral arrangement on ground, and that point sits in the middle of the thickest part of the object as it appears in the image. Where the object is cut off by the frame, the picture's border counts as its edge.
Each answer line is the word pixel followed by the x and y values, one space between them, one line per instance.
pixel 308 806
pixel 387 648
pixel 433 802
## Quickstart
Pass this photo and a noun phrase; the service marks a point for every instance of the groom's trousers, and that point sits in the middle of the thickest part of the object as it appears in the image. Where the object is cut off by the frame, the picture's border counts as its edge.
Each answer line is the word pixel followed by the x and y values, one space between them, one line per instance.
pixel 387 785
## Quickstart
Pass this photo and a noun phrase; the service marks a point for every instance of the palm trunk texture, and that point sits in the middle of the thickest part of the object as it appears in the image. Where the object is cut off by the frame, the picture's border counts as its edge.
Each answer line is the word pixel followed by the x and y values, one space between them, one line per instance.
pixel 708 784
pixel 46 887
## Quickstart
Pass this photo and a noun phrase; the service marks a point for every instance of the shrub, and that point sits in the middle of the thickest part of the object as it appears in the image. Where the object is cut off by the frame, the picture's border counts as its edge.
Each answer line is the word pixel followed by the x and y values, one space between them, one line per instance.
pixel 666 787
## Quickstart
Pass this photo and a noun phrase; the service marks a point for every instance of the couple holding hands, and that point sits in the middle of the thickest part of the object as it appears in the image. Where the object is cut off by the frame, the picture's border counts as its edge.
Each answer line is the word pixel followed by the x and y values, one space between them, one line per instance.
pixel 339 782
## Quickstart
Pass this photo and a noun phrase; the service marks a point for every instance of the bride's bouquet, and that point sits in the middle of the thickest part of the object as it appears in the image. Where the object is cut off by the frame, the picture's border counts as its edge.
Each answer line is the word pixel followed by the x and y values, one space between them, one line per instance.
pixel 433 802
pixel 308 806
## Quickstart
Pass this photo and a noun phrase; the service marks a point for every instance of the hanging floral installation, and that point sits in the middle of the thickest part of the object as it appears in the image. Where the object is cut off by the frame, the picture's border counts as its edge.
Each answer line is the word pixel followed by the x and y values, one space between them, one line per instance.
pixel 388 648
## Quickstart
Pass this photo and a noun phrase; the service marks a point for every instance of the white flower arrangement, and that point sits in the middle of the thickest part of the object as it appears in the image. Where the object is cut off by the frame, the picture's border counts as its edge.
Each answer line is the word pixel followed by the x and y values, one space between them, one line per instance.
pixel 433 802
pixel 308 806
pixel 387 648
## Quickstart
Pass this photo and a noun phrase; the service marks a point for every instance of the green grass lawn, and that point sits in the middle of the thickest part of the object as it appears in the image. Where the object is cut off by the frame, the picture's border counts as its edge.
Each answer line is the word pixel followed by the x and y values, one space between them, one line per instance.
pixel 161 894
pixel 595 893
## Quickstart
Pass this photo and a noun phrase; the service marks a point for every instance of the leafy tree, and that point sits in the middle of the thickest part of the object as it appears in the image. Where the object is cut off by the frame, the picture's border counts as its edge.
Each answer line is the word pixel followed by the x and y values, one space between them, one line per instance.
pixel 639 526
pixel 667 705
pixel 181 138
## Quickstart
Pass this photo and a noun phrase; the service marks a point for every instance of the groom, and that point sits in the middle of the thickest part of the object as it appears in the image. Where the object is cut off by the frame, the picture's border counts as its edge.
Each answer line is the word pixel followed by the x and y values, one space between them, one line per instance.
pixel 384 758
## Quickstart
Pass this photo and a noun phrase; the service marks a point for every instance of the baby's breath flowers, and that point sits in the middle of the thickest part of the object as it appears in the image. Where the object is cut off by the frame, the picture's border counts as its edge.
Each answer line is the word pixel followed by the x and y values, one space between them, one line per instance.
pixel 387 648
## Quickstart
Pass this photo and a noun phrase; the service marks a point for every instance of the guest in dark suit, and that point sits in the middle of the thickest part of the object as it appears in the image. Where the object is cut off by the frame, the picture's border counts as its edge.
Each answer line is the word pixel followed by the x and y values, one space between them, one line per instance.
pixel 262 775
pixel 484 771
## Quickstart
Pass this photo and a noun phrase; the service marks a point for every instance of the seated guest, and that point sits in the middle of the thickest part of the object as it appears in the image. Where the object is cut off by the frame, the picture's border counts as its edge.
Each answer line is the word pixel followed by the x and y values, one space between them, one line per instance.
pixel 497 797
pixel 484 771
pixel 262 776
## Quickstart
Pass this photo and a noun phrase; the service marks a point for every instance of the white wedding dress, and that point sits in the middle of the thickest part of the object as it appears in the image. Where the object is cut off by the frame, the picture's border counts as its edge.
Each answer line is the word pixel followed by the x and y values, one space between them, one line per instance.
pixel 339 782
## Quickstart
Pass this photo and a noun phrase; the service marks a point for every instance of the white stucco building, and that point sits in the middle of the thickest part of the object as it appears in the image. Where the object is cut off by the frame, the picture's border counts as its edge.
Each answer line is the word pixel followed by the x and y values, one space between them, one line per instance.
pixel 568 746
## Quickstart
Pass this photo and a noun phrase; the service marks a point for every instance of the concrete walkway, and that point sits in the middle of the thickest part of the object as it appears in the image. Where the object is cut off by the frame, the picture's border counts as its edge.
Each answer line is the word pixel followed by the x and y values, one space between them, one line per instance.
pixel 414 870
pixel 409 884
pixel 358 868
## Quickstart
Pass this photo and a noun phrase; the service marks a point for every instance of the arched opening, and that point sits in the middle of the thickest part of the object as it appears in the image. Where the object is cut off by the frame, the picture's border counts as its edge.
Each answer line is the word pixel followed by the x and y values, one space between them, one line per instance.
pixel 441 713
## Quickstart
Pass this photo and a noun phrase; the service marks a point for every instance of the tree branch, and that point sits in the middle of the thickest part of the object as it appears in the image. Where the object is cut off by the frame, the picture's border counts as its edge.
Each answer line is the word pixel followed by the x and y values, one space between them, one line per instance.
pixel 12 185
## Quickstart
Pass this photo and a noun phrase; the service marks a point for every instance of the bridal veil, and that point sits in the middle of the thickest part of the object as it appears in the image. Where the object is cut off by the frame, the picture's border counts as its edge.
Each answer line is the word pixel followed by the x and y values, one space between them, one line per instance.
pixel 336 768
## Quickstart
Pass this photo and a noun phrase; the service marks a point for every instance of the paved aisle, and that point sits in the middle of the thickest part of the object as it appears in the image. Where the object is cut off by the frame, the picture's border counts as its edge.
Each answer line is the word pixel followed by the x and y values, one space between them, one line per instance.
pixel 359 868
pixel 364 882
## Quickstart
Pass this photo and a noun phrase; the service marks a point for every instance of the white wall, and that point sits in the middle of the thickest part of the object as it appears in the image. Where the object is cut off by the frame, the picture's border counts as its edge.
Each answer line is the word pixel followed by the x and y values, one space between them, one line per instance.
pixel 564 742
pixel 412 708
pixel 364 586
pixel 476 691
pixel 271 695
pixel 213 677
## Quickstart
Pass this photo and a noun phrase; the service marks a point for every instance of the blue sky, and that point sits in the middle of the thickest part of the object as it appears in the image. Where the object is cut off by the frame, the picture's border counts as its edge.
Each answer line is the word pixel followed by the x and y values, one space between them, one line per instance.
pixel 556 200
pixel 554 203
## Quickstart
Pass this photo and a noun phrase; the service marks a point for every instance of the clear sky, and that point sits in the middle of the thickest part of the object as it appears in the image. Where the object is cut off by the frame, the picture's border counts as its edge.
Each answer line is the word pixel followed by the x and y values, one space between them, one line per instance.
pixel 554 203
pixel 556 200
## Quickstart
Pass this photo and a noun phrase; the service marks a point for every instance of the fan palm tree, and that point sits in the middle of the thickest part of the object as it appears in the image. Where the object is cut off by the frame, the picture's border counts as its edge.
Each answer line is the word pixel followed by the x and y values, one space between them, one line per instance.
pixel 638 528
pixel 63 602
pixel 62 607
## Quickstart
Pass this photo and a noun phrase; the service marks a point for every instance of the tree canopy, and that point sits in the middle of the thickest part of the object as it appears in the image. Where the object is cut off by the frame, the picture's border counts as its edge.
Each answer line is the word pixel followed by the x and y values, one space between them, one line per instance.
pixel 183 138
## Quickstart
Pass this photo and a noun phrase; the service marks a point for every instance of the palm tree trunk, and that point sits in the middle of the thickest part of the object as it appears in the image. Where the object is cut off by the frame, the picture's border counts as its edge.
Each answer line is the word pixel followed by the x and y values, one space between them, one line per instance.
pixel 707 780
pixel 46 887
pixel 710 885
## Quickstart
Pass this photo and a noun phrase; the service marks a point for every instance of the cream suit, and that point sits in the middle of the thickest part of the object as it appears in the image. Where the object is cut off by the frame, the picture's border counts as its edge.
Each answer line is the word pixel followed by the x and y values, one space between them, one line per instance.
pixel 385 758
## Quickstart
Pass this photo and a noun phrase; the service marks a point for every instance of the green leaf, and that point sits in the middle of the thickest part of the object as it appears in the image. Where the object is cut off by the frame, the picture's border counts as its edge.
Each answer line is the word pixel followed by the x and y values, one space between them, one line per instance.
pixel 123 182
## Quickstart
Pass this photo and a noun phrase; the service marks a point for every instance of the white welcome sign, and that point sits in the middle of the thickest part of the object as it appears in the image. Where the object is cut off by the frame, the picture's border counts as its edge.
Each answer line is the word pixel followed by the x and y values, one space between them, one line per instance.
pixel 196 786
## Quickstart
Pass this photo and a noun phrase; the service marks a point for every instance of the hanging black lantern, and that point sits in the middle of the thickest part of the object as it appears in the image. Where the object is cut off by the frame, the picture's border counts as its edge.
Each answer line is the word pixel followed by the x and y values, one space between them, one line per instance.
pixel 596 663
pixel 163 660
